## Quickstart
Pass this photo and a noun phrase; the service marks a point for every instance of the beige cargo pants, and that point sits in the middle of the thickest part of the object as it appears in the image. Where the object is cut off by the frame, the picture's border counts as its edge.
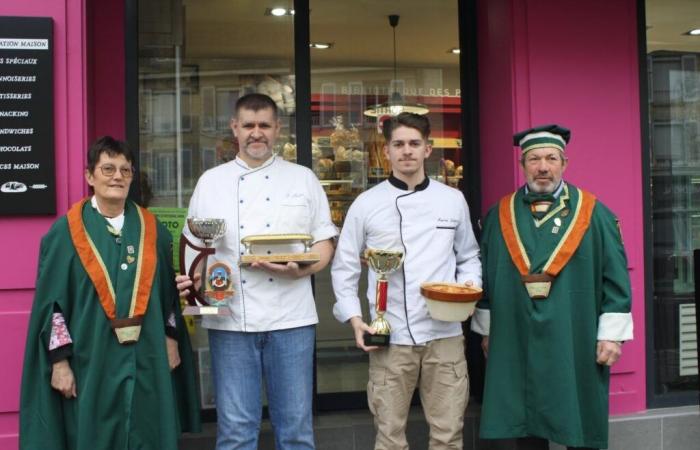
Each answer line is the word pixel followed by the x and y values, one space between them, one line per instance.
pixel 439 370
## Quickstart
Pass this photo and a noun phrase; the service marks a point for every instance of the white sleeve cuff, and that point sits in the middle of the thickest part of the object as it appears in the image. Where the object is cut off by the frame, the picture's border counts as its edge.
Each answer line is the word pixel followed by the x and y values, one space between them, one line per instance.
pixel 615 327
pixel 481 321
pixel 345 310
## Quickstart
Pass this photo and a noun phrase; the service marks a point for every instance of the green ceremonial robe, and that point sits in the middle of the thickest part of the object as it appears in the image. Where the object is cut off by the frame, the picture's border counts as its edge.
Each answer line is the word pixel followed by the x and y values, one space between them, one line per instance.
pixel 127 396
pixel 542 378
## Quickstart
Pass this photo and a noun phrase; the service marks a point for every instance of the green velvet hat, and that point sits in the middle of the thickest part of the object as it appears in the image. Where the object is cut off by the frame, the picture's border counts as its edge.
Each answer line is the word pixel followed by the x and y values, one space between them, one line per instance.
pixel 544 136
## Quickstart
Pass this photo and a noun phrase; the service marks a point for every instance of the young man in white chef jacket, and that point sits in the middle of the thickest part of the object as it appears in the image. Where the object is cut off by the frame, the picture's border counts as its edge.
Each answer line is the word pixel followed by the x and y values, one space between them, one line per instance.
pixel 429 222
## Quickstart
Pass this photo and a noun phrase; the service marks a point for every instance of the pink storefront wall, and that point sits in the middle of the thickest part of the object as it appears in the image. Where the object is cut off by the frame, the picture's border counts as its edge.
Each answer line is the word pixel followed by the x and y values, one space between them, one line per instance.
pixel 573 63
pixel 542 61
pixel 82 110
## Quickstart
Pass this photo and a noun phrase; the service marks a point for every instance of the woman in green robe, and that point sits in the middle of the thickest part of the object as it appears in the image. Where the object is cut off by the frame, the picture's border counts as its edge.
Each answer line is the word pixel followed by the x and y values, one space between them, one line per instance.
pixel 108 364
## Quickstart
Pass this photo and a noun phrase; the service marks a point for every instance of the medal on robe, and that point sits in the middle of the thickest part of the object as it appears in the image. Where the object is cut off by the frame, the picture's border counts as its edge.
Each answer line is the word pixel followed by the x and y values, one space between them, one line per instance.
pixel 127 330
pixel 557 224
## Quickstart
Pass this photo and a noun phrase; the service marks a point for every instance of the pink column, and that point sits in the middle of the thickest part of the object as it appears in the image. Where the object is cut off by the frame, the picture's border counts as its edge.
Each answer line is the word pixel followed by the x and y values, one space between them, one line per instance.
pixel 76 99
pixel 573 63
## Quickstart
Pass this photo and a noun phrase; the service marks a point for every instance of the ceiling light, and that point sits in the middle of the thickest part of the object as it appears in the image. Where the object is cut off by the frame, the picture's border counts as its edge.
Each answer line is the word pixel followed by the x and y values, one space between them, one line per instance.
pixel 321 45
pixel 454 51
pixel 396 104
pixel 694 32
pixel 278 11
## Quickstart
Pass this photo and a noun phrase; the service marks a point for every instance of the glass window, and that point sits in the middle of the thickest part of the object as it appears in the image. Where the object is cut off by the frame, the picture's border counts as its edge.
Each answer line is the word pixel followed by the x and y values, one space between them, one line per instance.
pixel 355 83
pixel 194 63
pixel 674 116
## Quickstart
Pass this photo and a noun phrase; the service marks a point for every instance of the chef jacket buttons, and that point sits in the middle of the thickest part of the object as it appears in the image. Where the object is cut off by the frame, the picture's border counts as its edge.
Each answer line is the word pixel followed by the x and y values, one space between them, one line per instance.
pixel 270 280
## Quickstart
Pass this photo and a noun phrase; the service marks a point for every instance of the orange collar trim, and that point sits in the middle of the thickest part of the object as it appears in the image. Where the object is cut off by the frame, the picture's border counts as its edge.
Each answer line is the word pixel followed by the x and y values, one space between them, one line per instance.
pixel 97 271
pixel 568 244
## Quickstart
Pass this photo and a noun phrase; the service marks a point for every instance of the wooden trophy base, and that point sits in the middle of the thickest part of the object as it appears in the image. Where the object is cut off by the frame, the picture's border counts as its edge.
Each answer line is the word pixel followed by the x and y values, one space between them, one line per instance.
pixel 206 311
pixel 281 258
pixel 376 340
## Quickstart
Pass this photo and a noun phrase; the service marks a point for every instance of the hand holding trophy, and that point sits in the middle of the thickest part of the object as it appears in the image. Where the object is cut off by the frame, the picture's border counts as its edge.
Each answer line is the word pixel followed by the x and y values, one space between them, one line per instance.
pixel 383 262
pixel 216 287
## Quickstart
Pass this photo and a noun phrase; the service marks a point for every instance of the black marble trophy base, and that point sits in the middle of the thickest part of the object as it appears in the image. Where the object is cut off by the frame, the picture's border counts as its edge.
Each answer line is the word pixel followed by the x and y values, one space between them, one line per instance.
pixel 376 340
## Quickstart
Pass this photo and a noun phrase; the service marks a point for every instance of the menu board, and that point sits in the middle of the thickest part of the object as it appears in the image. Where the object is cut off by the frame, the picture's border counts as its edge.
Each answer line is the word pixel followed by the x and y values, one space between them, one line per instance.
pixel 27 179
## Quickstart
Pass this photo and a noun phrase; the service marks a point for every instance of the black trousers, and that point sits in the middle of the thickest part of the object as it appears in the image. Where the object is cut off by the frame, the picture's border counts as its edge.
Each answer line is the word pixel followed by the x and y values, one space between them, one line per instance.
pixel 535 443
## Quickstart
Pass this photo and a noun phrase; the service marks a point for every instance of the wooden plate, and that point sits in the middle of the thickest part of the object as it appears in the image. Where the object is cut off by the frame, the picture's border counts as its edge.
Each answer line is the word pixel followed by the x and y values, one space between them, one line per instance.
pixel 451 292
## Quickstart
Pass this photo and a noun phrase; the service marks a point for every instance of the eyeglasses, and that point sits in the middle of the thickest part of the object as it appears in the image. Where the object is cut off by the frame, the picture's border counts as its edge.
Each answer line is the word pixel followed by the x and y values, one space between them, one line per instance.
pixel 109 170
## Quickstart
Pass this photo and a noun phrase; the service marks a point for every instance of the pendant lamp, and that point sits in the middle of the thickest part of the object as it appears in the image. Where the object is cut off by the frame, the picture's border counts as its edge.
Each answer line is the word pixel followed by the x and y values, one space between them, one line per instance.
pixel 396 104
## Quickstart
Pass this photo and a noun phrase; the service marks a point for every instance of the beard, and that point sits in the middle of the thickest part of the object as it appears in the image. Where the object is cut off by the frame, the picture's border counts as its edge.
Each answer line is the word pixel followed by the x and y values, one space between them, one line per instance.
pixel 547 188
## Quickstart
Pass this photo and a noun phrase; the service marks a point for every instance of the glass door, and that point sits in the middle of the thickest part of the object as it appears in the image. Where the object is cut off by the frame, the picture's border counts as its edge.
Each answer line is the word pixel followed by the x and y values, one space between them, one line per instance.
pixel 364 68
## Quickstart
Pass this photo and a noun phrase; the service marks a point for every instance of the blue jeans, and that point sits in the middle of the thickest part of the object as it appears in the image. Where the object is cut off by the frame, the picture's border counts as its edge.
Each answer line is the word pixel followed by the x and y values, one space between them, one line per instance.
pixel 240 361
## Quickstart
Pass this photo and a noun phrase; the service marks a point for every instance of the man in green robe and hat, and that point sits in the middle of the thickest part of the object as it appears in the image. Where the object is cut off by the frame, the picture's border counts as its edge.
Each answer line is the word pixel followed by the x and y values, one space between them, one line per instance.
pixel 556 307
pixel 108 364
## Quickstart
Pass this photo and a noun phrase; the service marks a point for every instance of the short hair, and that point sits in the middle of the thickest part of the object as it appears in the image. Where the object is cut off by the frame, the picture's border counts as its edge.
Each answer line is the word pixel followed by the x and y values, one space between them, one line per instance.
pixel 256 102
pixel 406 119
pixel 107 144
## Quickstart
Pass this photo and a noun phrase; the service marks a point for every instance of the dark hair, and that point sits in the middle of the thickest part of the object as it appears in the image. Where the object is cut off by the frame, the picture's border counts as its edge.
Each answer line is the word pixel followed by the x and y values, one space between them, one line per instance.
pixel 406 119
pixel 256 102
pixel 109 145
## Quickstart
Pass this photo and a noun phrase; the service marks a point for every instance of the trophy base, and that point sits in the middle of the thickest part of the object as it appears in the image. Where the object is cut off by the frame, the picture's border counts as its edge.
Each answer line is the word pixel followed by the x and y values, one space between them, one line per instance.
pixel 376 340
pixel 206 311
pixel 281 258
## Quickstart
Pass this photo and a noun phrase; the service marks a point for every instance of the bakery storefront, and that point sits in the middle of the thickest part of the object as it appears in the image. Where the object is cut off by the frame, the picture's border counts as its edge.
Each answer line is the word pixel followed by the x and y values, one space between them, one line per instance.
pixel 358 67
pixel 165 75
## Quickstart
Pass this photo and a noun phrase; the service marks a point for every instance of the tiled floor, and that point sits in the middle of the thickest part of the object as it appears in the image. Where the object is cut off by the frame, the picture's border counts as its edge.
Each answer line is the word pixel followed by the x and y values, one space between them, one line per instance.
pixel 660 429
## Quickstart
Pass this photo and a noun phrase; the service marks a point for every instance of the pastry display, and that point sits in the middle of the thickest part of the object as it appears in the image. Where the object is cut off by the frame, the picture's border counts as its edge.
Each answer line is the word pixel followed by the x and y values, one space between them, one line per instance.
pixel 316 151
pixel 342 166
pixel 289 152
pixel 359 155
pixel 342 137
pixel 325 166
pixel 449 167
pixel 342 154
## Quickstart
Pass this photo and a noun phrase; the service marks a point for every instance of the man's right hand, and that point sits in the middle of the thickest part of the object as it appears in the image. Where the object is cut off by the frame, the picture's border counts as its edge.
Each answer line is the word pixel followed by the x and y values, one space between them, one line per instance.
pixel 62 379
pixel 360 328
pixel 485 346
pixel 184 283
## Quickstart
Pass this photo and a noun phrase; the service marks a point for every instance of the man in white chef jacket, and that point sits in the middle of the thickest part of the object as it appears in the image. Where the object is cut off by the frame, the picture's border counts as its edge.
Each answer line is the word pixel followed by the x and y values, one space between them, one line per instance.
pixel 270 335
pixel 430 223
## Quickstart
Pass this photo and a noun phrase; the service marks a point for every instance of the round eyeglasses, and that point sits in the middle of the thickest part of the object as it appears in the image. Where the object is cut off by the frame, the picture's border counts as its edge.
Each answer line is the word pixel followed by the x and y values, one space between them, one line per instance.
pixel 109 170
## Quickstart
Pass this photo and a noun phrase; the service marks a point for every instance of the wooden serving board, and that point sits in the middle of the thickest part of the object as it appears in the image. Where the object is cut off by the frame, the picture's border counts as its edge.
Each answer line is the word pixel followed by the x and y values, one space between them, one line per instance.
pixel 281 258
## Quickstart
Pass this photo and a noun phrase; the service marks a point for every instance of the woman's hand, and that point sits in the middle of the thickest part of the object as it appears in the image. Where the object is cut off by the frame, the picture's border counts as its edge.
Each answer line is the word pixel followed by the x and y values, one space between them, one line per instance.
pixel 62 379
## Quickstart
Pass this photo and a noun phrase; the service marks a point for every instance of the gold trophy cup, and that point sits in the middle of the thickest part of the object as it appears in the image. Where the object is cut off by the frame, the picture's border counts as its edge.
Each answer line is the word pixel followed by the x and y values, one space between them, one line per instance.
pixel 382 262
pixel 210 298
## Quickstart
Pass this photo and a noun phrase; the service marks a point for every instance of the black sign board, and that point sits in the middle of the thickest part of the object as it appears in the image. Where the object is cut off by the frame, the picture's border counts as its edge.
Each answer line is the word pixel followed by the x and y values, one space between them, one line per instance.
pixel 27 179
